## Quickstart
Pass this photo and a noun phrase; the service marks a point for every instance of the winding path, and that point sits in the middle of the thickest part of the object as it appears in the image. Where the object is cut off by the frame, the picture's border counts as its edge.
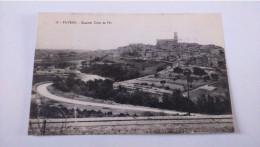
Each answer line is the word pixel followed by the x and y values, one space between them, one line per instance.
pixel 42 90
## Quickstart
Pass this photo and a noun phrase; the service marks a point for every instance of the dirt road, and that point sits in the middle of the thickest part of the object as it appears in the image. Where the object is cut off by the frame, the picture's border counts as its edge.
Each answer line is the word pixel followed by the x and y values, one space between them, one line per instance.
pixel 42 90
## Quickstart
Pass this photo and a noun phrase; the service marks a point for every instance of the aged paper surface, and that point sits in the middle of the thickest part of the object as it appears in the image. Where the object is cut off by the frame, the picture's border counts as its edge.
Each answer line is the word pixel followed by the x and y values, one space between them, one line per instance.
pixel 129 74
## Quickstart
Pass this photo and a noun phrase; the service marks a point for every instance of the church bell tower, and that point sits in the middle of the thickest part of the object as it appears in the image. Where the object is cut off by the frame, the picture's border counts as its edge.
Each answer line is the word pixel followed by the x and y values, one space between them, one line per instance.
pixel 175 37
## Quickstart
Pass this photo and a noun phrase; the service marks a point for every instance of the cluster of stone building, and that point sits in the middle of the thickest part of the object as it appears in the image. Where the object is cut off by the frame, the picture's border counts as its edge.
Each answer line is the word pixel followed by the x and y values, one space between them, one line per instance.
pixel 171 49
pixel 158 51
pixel 214 58
pixel 165 49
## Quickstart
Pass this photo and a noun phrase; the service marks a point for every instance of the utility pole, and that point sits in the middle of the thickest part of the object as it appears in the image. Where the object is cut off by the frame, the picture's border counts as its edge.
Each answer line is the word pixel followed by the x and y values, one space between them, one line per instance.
pixel 75 114
pixel 187 72
pixel 44 127
pixel 188 86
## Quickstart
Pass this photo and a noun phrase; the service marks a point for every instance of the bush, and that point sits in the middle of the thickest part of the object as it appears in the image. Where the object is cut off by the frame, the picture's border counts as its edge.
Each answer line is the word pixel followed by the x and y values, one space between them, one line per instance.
pixel 178 70
pixel 156 75
pixel 214 77
pixel 206 78
pixel 199 71
pixel 103 89
pixel 113 71
pixel 148 113
pixel 213 105
pixel 159 69
pixel 176 101
pixel 145 84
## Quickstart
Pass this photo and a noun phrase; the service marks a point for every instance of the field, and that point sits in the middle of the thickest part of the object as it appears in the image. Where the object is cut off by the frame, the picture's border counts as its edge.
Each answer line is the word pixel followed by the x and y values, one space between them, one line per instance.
pixel 145 67
pixel 154 85
pixel 138 125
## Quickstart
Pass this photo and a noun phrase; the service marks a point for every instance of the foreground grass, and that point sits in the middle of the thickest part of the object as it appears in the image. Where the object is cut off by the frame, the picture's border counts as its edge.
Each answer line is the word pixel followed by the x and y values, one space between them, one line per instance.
pixel 143 125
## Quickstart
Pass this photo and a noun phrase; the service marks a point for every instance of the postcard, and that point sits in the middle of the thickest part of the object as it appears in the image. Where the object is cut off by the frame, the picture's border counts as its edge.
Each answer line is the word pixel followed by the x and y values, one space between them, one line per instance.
pixel 97 73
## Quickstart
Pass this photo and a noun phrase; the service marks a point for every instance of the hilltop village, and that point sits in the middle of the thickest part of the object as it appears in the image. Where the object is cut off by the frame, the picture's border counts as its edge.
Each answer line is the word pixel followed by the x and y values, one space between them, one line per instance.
pixel 172 75
pixel 171 50
pixel 167 50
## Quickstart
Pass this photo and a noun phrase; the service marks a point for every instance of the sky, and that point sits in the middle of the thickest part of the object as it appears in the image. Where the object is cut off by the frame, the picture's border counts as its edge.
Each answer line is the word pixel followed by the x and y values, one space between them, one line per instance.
pixel 115 30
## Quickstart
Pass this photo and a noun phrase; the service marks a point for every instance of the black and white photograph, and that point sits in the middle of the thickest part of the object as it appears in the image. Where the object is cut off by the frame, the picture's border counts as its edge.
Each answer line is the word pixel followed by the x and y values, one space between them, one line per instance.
pixel 98 73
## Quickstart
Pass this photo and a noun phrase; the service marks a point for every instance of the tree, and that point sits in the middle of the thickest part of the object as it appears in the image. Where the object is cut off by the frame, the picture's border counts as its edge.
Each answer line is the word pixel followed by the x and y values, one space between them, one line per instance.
pixel 221 63
pixel 213 104
pixel 177 70
pixel 180 102
pixel 199 71
pixel 70 81
pixel 167 102
pixel 174 79
pixel 206 78
pixel 163 82
pixel 159 69
pixel 60 84
pixel 190 81
pixel 187 73
pixel 214 76
pixel 156 75
pixel 122 88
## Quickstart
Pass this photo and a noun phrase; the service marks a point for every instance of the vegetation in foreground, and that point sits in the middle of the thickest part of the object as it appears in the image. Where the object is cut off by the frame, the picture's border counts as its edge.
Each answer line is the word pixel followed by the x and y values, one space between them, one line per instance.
pixel 121 70
pixel 47 111
pixel 103 89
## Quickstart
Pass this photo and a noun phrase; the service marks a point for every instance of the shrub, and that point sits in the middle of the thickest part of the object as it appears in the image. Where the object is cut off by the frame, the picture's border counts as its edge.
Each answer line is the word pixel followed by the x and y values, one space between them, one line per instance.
pixel 199 71
pixel 178 70
pixel 167 87
pixel 214 77
pixel 213 104
pixel 159 69
pixel 206 78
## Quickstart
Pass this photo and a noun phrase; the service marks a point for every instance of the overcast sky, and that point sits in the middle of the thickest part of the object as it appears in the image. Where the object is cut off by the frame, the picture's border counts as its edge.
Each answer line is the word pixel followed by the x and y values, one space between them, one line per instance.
pixel 125 29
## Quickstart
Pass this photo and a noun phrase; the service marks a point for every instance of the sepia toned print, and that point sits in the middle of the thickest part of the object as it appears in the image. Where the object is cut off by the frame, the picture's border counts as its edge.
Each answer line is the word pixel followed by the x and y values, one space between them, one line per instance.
pixel 129 74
